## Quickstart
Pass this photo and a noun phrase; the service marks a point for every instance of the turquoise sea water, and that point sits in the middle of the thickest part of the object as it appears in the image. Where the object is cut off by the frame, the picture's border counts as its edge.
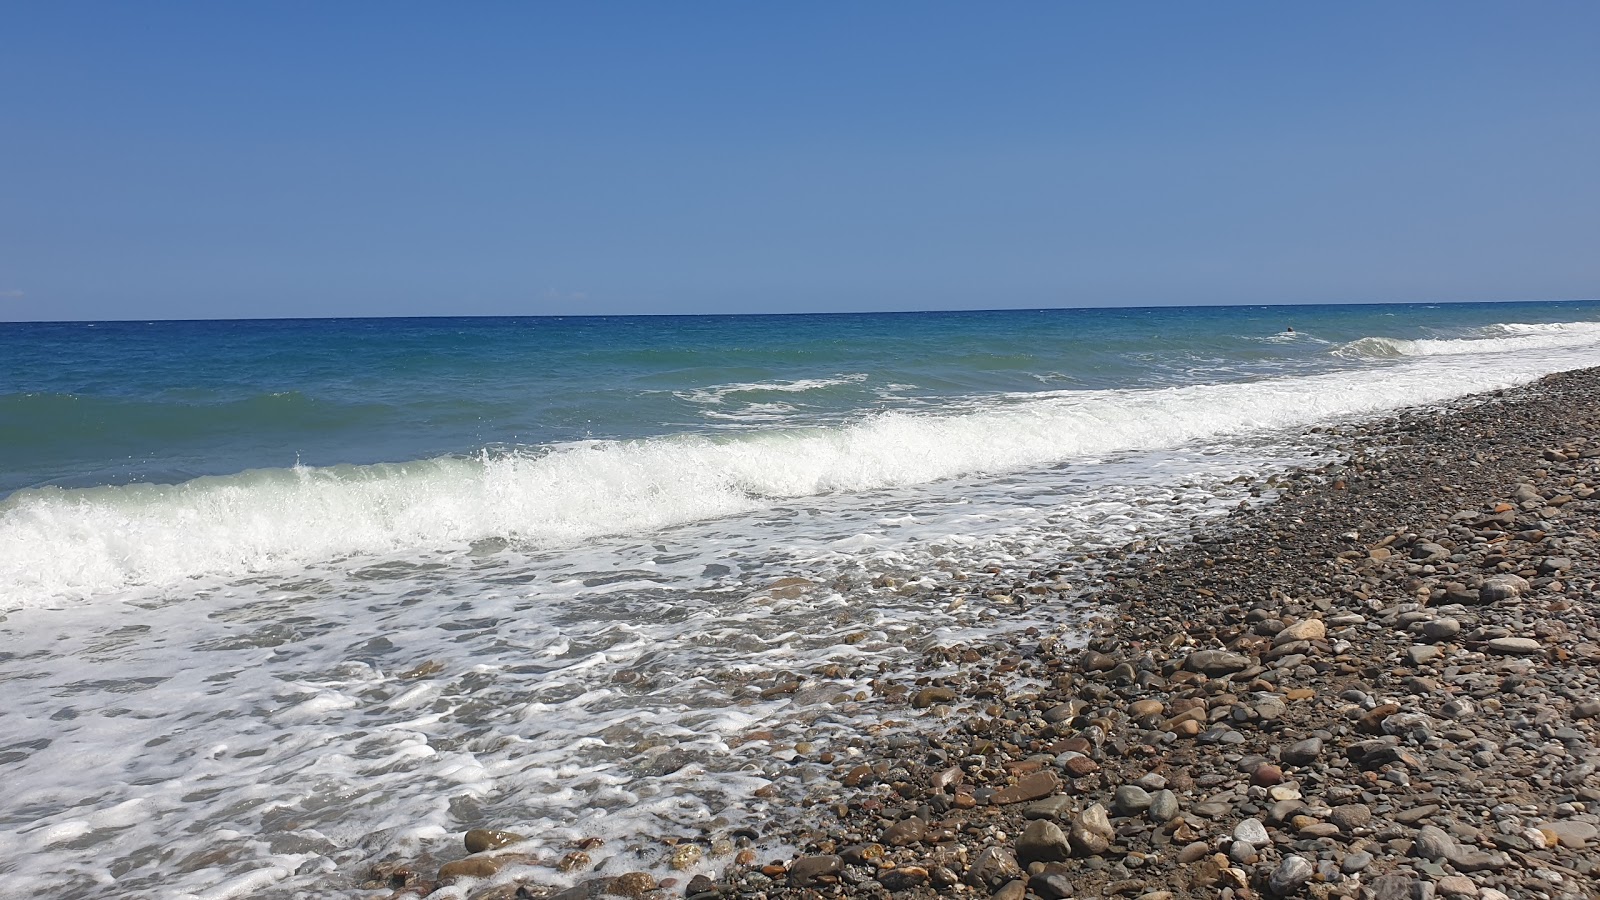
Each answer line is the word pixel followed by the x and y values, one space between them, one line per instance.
pixel 83 404
pixel 224 544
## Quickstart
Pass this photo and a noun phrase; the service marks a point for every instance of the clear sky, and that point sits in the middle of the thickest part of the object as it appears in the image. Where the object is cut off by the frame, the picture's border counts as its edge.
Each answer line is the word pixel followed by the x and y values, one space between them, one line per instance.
pixel 182 160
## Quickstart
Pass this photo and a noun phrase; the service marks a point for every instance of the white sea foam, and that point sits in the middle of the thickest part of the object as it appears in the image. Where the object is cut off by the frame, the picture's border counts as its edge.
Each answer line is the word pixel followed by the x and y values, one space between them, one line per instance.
pixel 1503 338
pixel 78 543
pixel 718 393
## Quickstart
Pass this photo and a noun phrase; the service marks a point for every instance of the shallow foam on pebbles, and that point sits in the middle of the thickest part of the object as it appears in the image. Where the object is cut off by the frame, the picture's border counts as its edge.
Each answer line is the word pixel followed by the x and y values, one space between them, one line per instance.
pixel 189 741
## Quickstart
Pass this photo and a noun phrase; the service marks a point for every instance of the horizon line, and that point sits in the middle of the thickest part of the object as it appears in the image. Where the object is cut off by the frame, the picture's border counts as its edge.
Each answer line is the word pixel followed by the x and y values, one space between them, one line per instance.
pixel 886 312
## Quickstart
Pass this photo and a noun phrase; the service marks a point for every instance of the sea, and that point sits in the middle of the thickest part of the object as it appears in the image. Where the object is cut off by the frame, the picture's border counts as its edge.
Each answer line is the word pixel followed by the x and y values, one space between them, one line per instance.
pixel 283 599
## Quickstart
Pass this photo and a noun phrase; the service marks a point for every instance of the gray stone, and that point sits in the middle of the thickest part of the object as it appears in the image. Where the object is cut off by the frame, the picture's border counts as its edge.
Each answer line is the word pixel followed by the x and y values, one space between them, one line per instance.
pixel 1042 841
pixel 1130 800
pixel 1355 862
pixel 1056 807
pixel 1163 806
pixel 1433 843
pixel 1396 887
pixel 1304 752
pixel 1216 662
pixel 1051 885
pixel 1290 874
pixel 1242 852
pixel 1426 551
pixel 1440 630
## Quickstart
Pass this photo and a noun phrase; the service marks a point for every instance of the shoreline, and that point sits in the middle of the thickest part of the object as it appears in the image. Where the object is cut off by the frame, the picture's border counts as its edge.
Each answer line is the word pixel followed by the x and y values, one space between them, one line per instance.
pixel 1381 683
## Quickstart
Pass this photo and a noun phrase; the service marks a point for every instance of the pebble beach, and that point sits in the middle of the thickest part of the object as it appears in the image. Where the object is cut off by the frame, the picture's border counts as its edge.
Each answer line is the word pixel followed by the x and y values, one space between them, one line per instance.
pixel 1376 681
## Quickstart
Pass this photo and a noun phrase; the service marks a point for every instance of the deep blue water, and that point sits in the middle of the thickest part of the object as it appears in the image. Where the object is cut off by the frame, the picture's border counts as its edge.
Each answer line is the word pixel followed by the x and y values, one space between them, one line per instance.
pixel 115 402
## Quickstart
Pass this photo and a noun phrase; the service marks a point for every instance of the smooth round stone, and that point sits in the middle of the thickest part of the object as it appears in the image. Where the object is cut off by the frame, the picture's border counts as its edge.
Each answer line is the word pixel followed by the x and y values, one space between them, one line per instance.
pixel 1319 830
pixel 1252 832
pixel 1130 800
pixel 1242 852
pixel 1141 708
pixel 1193 851
pixel 1284 792
pixel 479 840
pixel 1163 806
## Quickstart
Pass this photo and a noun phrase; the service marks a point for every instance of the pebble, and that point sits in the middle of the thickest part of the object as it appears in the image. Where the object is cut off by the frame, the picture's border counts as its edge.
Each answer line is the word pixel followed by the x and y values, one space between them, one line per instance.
pixel 1355 862
pixel 1091 831
pixel 1252 832
pixel 479 840
pixel 1042 841
pixel 637 884
pixel 1304 630
pixel 1515 646
pixel 1350 817
pixel 1163 806
pixel 1422 654
pixel 1216 662
pixel 1304 752
pixel 1130 800
pixel 1433 843
pixel 1029 787
pixel 1438 630
pixel 1051 885
pixel 905 832
pixel 808 871
pixel 1455 886
pixel 993 867
pixel 1194 851
pixel 1290 874
pixel 1370 701
pixel 1395 887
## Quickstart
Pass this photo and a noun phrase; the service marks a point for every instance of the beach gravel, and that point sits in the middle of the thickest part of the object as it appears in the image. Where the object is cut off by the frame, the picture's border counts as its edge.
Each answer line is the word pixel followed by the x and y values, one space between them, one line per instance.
pixel 1380 685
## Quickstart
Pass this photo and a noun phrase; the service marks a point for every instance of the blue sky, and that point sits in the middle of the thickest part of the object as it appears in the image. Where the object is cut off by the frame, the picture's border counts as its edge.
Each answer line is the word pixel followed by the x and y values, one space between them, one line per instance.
pixel 184 160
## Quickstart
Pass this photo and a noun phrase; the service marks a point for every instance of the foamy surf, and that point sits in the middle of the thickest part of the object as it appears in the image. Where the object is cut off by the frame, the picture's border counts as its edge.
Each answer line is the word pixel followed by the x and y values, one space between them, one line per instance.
pixel 79 543
pixel 1503 338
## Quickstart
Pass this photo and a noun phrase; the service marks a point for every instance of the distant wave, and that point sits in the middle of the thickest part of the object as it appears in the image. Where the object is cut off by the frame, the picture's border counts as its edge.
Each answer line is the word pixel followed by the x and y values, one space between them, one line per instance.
pixel 1500 338
pixel 718 393
pixel 1289 337
pixel 63 543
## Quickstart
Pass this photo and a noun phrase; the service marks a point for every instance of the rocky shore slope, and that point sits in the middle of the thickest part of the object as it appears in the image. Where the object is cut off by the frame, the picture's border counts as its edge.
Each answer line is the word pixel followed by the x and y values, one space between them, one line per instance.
pixel 1383 684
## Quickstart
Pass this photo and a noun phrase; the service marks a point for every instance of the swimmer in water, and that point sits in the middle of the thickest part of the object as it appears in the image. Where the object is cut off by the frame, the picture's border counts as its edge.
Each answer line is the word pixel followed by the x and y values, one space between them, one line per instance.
pixel 1288 329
